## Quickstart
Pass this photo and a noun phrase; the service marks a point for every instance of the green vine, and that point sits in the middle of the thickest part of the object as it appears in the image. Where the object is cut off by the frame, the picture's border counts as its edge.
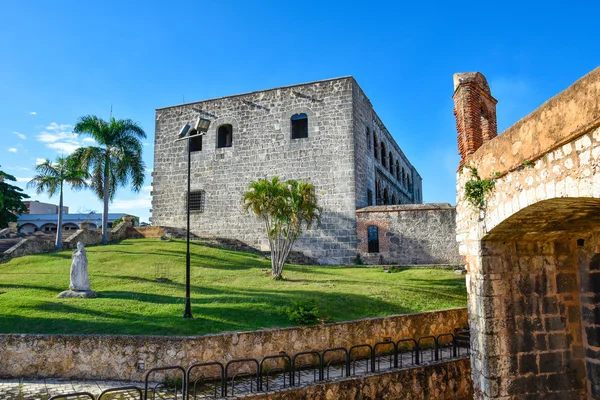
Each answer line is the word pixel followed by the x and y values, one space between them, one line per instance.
pixel 476 189
pixel 529 164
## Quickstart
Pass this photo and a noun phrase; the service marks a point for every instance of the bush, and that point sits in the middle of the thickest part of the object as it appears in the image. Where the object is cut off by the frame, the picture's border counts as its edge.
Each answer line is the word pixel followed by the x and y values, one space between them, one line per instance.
pixel 304 312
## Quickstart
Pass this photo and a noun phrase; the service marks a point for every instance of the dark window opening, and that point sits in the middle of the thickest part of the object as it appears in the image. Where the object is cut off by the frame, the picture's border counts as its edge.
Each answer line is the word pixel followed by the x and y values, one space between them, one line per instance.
pixel 375 145
pixel 397 170
pixel 369 197
pixel 393 199
pixel 224 136
pixel 373 239
pixel 299 126
pixel 197 200
pixel 386 197
pixel 391 163
pixel 368 138
pixel 195 143
pixel 383 155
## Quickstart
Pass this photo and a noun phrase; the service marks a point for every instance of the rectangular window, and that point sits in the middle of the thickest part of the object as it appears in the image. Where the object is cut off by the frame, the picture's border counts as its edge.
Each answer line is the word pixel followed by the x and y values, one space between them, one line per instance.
pixel 369 197
pixel 197 200
pixel 299 126
pixel 195 143
pixel 373 239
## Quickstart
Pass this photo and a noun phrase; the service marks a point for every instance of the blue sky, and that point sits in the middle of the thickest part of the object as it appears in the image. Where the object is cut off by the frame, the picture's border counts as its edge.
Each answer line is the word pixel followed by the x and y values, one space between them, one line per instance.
pixel 65 59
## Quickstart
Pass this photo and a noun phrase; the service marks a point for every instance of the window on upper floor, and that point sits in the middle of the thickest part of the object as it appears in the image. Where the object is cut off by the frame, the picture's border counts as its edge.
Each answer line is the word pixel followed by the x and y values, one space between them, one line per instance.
pixel 368 133
pixel 391 163
pixel 373 239
pixel 299 126
pixel 224 136
pixel 397 170
pixel 369 197
pixel 386 196
pixel 375 146
pixel 383 155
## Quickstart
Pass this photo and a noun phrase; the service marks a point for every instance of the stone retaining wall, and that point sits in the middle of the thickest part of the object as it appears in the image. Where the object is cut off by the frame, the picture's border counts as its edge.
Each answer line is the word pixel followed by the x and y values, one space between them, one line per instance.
pixel 450 380
pixel 117 357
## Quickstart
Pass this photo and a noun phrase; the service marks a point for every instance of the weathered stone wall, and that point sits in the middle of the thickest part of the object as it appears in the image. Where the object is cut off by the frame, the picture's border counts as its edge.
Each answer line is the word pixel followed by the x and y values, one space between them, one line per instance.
pixel 450 380
pixel 29 246
pixel 529 251
pixel 262 148
pixel 409 234
pixel 149 232
pixel 116 357
pixel 369 133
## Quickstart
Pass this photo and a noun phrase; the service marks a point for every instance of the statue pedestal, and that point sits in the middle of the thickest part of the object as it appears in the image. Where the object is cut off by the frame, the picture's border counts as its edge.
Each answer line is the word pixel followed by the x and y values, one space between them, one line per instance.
pixel 84 294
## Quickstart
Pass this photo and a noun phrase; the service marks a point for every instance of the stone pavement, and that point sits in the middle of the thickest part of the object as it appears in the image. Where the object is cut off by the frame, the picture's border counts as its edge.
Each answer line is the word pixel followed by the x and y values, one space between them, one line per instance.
pixel 43 389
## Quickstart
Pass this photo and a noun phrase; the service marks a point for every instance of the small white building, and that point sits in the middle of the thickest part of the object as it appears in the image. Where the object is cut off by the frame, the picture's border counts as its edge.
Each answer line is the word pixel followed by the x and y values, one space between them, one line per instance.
pixel 44 217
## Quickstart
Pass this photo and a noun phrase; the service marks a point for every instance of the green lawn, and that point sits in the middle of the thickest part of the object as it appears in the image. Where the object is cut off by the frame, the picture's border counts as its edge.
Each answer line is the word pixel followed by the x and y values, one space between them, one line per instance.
pixel 231 291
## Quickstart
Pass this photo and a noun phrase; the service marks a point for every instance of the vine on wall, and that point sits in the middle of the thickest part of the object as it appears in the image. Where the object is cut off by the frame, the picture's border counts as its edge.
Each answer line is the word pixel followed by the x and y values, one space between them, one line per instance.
pixel 477 189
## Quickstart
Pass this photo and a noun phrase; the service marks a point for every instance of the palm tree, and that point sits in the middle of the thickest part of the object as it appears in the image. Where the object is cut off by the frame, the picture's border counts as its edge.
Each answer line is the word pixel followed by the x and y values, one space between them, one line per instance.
pixel 51 178
pixel 116 161
pixel 285 208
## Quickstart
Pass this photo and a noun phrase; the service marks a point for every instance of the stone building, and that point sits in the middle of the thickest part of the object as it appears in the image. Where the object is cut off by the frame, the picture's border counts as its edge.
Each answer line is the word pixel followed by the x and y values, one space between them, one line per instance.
pixel 325 132
pixel 532 249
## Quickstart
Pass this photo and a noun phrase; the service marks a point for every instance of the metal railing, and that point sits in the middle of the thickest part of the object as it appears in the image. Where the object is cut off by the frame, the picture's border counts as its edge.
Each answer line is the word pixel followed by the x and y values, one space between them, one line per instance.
pixel 275 372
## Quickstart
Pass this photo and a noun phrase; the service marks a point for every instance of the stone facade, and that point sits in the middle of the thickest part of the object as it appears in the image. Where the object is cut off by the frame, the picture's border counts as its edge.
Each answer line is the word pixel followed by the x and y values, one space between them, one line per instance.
pixel 532 250
pixel 446 381
pixel 338 157
pixel 117 357
pixel 409 234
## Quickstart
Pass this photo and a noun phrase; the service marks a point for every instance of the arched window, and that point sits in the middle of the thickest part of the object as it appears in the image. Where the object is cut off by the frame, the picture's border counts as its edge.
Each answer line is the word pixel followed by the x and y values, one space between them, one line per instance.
pixel 391 163
pixel 383 154
pixel 368 132
pixel 299 126
pixel 386 196
pixel 397 170
pixel 224 136
pixel 403 177
pixel 393 199
pixel 377 193
pixel 375 145
pixel 408 183
pixel 373 239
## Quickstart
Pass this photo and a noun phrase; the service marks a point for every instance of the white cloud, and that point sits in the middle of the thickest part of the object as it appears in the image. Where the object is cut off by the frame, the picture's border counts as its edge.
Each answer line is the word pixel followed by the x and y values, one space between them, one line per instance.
pixel 60 137
pixel 62 147
pixel 32 113
pixel 17 169
pixel 20 135
pixel 23 180
pixel 12 149
pixel 38 161
pixel 88 140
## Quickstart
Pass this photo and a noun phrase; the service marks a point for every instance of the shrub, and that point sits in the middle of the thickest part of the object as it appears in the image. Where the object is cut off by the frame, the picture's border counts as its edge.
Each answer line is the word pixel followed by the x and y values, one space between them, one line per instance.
pixel 303 312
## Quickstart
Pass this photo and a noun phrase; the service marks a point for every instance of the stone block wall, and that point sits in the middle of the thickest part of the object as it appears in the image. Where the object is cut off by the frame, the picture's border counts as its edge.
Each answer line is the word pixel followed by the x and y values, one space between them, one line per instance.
pixel 116 357
pixel 530 252
pixel 336 158
pixel 446 381
pixel 372 176
pixel 409 234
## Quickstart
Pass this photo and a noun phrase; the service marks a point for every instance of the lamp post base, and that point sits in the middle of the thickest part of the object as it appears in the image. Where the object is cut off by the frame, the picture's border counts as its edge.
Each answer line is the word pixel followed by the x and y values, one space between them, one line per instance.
pixel 188 310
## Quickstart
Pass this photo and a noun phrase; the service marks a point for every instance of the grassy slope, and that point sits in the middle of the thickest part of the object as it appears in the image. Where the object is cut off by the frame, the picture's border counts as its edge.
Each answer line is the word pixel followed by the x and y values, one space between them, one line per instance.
pixel 230 291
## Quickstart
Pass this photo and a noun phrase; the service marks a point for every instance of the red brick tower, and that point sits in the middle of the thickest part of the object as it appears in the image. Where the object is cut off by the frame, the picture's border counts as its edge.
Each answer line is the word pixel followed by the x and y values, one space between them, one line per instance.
pixel 475 112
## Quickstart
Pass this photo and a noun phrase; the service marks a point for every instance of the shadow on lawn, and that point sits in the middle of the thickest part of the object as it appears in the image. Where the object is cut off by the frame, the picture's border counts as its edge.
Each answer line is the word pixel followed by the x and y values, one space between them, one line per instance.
pixel 119 312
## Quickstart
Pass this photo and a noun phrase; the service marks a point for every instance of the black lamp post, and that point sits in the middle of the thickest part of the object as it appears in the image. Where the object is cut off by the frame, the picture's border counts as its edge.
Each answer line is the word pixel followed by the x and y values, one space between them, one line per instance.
pixel 187 133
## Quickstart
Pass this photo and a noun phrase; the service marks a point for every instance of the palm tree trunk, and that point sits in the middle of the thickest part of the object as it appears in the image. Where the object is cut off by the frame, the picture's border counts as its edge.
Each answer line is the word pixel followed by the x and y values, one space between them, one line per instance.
pixel 58 243
pixel 105 210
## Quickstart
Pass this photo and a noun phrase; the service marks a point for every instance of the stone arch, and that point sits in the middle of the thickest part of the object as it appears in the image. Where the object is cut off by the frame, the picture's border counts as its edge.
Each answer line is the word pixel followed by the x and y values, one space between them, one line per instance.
pixel 383 155
pixel 70 226
pixel 48 227
pixel 28 227
pixel 214 132
pixel 391 162
pixel 224 135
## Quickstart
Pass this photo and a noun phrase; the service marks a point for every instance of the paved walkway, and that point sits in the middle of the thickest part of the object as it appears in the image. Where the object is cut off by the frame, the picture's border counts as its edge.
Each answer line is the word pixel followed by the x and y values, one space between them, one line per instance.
pixel 28 389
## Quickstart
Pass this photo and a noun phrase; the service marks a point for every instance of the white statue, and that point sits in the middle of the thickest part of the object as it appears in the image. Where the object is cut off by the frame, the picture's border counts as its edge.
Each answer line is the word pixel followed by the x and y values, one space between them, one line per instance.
pixel 79 272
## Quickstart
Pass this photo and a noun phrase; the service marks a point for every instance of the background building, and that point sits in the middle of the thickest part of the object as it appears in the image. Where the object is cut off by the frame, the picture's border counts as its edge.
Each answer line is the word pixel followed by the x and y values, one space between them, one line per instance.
pixel 325 132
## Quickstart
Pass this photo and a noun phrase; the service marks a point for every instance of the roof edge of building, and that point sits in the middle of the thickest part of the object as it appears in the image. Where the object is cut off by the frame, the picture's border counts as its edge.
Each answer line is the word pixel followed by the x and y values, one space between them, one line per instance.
pixel 257 91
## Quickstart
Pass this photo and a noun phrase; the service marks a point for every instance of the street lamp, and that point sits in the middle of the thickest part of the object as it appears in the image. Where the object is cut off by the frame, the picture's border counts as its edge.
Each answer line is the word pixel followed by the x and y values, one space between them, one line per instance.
pixel 188 132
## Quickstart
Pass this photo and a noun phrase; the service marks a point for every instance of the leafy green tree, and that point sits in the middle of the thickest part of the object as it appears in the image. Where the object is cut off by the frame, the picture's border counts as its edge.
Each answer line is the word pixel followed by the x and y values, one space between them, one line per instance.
pixel 115 161
pixel 286 208
pixel 11 200
pixel 51 177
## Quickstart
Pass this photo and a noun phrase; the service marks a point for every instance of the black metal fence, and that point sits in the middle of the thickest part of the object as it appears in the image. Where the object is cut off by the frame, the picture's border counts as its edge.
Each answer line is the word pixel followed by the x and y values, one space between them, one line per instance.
pixel 276 372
